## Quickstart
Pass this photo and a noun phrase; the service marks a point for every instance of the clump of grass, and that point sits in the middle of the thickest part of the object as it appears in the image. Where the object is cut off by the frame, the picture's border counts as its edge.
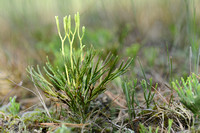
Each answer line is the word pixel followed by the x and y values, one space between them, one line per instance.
pixel 153 117
pixel 144 130
pixel 148 94
pixel 82 79
pixel 129 91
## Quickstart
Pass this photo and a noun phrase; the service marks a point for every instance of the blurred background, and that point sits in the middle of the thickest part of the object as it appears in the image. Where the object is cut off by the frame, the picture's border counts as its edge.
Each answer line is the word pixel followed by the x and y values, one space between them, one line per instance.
pixel 153 31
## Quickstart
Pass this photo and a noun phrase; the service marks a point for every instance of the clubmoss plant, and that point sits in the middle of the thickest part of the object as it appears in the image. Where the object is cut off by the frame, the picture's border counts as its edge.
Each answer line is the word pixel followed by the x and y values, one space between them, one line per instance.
pixel 189 93
pixel 148 94
pixel 129 91
pixel 83 77
pixel 147 87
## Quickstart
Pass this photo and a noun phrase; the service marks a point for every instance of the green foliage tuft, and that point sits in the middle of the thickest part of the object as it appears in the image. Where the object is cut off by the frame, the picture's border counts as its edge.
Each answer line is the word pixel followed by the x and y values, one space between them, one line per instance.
pixel 14 107
pixel 82 79
pixel 131 97
pixel 148 94
pixel 189 93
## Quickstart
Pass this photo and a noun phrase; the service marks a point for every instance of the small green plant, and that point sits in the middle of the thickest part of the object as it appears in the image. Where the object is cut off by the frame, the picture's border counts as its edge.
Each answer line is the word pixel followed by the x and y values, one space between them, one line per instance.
pixel 14 107
pixel 189 93
pixel 143 129
pixel 83 77
pixel 148 94
pixel 10 119
pixel 147 87
pixel 129 90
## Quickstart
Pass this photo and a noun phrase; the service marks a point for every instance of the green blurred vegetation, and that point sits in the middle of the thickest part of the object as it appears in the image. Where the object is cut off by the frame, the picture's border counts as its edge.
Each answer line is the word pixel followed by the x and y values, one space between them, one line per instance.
pixel 114 25
pixel 146 29
pixel 134 28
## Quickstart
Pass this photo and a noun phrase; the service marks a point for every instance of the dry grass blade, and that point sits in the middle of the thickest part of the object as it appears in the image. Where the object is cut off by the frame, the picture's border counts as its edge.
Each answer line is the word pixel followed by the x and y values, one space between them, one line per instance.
pixel 66 124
